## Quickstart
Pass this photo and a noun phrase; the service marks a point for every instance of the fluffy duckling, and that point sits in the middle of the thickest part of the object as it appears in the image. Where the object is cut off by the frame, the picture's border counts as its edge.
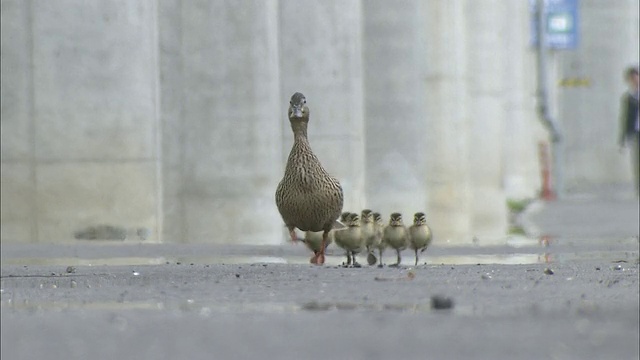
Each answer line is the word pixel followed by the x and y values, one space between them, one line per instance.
pixel 396 235
pixel 379 231
pixel 339 234
pixel 350 239
pixel 419 234
pixel 368 228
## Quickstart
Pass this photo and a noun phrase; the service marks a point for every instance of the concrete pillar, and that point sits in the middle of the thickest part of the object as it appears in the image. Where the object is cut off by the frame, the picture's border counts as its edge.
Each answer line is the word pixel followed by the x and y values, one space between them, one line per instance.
pixel 590 115
pixel 522 129
pixel 395 118
pixel 447 175
pixel 321 56
pixel 487 57
pixel 81 101
pixel 18 181
pixel 222 119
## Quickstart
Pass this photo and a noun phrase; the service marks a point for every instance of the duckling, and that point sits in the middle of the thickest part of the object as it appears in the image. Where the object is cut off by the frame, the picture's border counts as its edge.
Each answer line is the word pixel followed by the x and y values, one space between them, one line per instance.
pixel 338 235
pixel 313 240
pixel 379 230
pixel 368 234
pixel 350 239
pixel 307 197
pixel 396 235
pixel 419 234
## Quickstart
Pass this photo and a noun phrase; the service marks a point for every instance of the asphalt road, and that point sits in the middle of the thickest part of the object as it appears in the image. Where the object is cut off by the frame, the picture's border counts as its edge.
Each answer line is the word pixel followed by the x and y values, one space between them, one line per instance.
pixel 584 310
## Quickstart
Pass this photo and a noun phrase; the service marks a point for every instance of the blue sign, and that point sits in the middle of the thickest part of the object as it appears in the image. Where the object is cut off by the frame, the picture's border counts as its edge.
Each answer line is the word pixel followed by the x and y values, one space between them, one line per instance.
pixel 561 23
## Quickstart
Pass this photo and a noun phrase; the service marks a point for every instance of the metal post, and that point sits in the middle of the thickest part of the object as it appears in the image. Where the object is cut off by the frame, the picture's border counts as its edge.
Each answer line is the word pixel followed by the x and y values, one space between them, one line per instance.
pixel 550 124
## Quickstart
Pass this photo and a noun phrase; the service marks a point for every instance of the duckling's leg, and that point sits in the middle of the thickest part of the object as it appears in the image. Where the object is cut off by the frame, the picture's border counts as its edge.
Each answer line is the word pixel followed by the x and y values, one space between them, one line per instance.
pixel 398 261
pixel 416 250
pixel 348 263
pixel 380 257
pixel 355 263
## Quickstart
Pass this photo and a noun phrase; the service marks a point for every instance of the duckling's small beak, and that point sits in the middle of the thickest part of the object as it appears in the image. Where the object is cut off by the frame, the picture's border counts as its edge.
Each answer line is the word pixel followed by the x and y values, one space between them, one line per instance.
pixel 296 112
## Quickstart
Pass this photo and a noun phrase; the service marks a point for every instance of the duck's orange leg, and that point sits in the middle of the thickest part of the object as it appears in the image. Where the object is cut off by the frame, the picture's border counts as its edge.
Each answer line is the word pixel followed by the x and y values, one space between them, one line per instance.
pixel 292 234
pixel 320 255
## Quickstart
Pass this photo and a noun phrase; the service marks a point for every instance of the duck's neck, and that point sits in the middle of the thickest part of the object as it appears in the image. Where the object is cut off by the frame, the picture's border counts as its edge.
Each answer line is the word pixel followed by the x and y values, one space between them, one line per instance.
pixel 299 131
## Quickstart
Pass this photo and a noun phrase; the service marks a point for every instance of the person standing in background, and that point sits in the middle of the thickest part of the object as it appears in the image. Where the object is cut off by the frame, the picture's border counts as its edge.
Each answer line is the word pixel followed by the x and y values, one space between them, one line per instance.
pixel 630 123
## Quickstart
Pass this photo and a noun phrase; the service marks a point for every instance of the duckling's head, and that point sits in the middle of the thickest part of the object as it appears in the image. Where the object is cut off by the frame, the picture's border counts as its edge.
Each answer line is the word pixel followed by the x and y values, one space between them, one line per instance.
pixel 353 220
pixel 366 216
pixel 395 219
pixel 377 218
pixel 344 216
pixel 298 110
pixel 419 218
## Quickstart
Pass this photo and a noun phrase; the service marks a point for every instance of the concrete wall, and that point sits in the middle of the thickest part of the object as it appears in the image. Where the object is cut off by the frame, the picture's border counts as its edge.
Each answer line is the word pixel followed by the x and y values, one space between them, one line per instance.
pixel 169 116
pixel 589 115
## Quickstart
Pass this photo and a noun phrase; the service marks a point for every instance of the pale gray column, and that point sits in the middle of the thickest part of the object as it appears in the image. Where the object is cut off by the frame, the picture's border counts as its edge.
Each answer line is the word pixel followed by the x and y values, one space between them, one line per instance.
pixel 522 130
pixel 447 133
pixel 590 115
pixel 321 56
pixel 18 181
pixel 487 57
pixel 222 121
pixel 82 115
pixel 396 124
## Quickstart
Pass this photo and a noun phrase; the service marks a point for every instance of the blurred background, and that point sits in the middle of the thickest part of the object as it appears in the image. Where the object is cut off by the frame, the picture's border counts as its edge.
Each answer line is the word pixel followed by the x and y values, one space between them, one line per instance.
pixel 165 120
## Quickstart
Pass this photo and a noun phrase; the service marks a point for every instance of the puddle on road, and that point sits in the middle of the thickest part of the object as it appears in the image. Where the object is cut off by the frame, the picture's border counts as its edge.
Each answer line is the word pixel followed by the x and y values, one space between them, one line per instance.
pixel 331 260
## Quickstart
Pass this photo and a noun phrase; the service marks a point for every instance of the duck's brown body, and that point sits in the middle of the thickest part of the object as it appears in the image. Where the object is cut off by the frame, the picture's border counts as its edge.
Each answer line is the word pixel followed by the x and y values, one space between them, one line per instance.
pixel 308 198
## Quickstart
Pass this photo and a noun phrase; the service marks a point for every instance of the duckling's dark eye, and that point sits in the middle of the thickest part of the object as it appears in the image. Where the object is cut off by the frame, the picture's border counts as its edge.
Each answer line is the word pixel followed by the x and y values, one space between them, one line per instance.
pixel 304 101
pixel 291 103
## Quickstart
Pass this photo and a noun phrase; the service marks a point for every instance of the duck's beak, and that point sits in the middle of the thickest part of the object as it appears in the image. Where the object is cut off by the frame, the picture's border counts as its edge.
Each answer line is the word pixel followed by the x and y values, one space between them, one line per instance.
pixel 296 112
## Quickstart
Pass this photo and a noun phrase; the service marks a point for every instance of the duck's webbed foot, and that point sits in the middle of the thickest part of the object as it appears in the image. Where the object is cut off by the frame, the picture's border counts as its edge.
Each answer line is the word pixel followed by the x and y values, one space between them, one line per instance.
pixel 348 263
pixel 371 259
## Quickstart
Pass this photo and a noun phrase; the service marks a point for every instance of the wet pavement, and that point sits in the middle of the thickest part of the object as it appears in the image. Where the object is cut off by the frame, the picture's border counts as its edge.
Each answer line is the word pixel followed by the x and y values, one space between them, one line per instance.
pixel 561 294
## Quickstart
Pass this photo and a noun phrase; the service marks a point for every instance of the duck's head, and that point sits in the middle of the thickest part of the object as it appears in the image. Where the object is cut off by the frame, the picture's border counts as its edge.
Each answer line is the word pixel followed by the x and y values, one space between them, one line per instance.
pixel 298 110
pixel 419 218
